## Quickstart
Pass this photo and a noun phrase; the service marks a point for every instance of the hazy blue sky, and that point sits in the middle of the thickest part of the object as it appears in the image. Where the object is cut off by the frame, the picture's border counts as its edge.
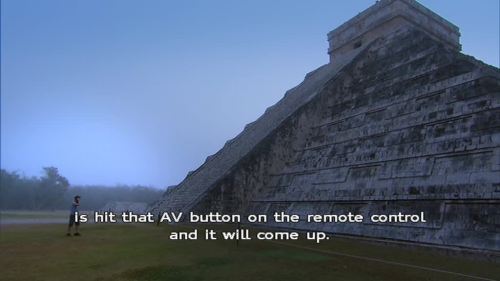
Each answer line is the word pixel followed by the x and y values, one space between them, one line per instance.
pixel 141 92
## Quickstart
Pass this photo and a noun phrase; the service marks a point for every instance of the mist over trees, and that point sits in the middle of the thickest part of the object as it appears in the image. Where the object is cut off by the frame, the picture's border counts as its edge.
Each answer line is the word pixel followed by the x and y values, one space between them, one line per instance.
pixel 52 191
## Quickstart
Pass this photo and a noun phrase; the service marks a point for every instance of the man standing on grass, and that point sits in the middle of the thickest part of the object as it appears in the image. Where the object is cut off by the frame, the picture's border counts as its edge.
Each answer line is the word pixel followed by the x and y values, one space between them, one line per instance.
pixel 74 209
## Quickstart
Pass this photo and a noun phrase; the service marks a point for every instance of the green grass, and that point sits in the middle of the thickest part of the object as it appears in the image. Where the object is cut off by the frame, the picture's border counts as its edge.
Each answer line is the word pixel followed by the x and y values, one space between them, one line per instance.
pixel 144 252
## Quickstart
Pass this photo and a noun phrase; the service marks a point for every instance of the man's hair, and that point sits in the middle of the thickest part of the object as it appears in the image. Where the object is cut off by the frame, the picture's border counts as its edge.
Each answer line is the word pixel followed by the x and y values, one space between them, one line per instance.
pixel 78 196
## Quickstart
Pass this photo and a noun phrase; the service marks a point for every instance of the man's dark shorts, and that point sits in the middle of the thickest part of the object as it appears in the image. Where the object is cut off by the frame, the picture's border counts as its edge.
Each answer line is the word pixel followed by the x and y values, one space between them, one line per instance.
pixel 72 220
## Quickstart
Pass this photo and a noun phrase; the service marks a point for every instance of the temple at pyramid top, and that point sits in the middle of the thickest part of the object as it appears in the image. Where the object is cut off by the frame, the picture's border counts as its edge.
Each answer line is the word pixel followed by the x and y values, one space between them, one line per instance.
pixel 386 17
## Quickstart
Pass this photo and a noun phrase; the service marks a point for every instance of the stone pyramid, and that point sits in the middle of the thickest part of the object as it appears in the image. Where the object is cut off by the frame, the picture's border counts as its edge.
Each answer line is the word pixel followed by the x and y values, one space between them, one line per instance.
pixel 399 120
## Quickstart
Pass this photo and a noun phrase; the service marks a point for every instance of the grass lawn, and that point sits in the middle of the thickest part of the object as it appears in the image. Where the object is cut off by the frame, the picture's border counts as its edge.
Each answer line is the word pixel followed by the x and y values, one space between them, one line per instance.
pixel 7 215
pixel 144 252
pixel 33 217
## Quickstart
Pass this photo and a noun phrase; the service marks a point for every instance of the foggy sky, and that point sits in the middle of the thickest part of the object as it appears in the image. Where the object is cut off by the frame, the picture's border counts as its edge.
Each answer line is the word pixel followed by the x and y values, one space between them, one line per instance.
pixel 141 92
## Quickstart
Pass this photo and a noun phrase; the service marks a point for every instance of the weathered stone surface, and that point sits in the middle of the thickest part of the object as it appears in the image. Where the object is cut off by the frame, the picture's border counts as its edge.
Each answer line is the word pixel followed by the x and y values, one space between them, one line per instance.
pixel 405 123
pixel 388 15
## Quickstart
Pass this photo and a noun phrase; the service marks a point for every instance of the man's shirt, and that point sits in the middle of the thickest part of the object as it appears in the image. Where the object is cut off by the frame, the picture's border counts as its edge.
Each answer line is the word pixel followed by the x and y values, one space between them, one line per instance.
pixel 74 207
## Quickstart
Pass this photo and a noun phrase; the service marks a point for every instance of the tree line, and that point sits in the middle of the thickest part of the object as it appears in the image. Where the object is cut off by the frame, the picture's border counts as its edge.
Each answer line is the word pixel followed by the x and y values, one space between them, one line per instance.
pixel 52 191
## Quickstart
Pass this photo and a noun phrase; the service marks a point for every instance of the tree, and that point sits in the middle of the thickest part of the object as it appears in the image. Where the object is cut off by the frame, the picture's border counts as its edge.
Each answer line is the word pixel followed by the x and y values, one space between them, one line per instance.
pixel 51 191
pixel 16 191
pixel 52 188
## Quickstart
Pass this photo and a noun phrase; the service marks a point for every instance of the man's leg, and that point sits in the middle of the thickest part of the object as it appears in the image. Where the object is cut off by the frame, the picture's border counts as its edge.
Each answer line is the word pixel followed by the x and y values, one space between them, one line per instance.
pixel 70 224
pixel 77 225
